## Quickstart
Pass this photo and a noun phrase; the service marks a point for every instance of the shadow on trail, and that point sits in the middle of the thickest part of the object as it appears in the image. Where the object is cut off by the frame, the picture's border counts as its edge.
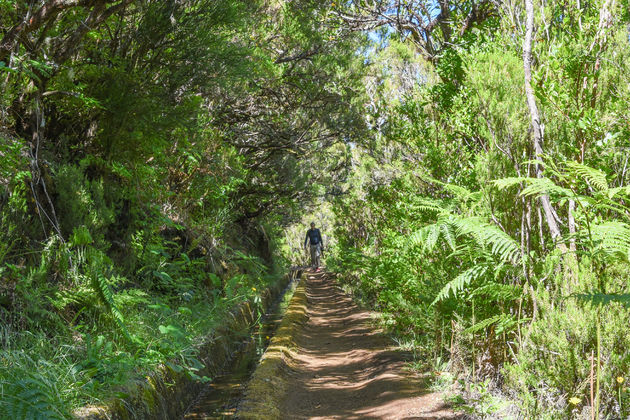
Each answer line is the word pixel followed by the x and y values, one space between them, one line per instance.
pixel 349 370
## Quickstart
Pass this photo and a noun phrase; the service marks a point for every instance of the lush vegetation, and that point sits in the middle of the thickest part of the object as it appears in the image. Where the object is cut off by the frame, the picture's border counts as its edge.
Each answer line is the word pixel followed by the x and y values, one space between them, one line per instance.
pixel 157 159
pixel 150 154
pixel 491 224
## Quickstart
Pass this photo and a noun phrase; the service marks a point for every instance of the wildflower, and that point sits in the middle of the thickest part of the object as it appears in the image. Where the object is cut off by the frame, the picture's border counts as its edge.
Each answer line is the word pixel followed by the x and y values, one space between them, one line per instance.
pixel 575 400
pixel 620 380
pixel 254 289
pixel 267 337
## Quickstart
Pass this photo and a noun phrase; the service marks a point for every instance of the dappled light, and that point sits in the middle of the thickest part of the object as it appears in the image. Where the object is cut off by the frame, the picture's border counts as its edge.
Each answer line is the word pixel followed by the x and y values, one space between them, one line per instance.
pixel 449 179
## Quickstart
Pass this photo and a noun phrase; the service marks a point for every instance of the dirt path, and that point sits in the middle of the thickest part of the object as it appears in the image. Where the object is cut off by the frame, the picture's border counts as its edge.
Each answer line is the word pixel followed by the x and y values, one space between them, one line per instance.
pixel 347 370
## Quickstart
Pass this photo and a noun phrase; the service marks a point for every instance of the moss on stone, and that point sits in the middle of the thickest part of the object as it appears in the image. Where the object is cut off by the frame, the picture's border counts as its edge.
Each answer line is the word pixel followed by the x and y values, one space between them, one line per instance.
pixel 268 386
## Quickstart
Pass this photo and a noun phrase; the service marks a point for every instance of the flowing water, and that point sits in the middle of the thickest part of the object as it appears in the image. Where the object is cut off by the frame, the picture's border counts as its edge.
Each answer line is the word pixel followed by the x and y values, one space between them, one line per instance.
pixel 220 398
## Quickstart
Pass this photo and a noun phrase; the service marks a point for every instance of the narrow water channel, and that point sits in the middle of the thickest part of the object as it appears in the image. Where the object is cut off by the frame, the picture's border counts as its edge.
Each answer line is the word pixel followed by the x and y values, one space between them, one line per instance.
pixel 220 398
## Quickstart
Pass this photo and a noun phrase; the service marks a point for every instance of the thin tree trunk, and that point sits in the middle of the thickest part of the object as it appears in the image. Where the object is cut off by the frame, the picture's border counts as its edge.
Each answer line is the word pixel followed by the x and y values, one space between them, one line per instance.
pixel 37 178
pixel 571 220
pixel 537 140
pixel 543 247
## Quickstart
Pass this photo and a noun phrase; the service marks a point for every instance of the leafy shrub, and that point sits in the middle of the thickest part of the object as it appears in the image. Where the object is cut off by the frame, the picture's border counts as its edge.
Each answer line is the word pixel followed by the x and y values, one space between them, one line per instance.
pixel 81 202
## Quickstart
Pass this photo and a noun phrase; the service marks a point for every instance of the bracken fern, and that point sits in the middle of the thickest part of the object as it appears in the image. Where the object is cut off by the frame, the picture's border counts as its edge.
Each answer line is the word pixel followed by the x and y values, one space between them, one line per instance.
pixel 32 397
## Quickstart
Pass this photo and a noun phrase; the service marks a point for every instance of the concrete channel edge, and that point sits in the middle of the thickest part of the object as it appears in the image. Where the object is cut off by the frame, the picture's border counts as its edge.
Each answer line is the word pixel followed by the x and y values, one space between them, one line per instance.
pixel 268 385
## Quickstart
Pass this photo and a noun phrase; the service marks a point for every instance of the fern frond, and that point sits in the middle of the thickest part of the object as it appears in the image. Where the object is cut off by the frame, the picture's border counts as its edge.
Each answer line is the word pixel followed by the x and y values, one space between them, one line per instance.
pixel 461 281
pixel 448 235
pixel 501 244
pixel 486 235
pixel 104 291
pixel 612 192
pixel 593 176
pixel 613 238
pixel 618 208
pixel 544 186
pixel 498 291
pixel 504 322
pixel 482 324
pixel 419 237
pixel 424 204
pixel 432 237
pixel 463 251
pixel 506 183
pixel 32 397
pixel 429 236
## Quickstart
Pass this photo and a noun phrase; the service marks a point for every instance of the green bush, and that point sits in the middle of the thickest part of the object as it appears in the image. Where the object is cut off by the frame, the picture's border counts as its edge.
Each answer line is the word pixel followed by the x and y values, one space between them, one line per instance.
pixel 81 202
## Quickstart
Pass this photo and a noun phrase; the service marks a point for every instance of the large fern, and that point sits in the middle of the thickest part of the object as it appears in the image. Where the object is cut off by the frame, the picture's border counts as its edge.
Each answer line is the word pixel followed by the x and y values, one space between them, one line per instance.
pixel 460 282
pixel 500 243
pixel 30 396
pixel 104 291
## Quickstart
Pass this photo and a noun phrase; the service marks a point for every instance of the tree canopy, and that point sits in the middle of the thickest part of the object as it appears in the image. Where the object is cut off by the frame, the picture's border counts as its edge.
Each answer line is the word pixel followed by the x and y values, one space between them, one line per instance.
pixel 468 161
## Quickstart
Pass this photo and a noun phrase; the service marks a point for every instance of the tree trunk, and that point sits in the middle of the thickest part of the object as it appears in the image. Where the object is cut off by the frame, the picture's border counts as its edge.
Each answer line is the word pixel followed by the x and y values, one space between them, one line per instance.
pixel 571 219
pixel 537 140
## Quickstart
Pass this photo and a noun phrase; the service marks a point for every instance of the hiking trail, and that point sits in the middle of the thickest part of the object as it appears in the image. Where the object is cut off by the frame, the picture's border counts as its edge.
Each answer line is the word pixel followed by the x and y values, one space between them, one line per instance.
pixel 343 367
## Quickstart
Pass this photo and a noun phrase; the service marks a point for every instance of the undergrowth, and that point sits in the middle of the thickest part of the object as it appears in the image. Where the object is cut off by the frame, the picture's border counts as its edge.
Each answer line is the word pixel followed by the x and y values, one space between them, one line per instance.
pixel 89 340
pixel 513 334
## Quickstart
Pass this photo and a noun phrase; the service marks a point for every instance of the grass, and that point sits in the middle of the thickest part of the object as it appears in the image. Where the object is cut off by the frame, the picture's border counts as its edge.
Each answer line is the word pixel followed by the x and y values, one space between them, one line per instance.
pixel 88 361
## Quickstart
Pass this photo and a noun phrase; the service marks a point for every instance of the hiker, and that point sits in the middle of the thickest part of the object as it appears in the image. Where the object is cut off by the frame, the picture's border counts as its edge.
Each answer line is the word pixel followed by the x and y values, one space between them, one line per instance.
pixel 315 238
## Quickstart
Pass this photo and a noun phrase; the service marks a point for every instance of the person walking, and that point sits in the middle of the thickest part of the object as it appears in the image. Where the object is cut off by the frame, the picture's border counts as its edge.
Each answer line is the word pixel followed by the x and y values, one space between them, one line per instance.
pixel 314 237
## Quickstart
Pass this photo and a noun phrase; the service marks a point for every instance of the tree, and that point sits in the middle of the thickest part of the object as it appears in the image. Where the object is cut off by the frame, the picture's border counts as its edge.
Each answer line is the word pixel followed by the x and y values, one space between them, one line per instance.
pixel 433 27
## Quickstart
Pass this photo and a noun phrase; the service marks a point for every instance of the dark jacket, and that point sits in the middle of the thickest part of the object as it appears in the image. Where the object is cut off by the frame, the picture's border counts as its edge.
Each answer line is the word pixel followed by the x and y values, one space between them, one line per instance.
pixel 314 236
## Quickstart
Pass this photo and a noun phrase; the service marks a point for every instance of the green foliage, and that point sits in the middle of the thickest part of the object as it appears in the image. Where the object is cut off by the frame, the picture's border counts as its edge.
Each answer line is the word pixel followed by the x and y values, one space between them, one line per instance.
pixel 442 228
pixel 33 396
pixel 458 283
pixel 81 203
pixel 152 155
